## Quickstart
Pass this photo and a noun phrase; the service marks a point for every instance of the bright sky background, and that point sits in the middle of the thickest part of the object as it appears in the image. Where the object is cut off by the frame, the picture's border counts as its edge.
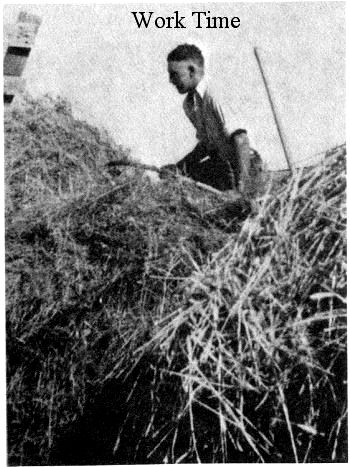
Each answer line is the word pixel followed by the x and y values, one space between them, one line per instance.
pixel 116 74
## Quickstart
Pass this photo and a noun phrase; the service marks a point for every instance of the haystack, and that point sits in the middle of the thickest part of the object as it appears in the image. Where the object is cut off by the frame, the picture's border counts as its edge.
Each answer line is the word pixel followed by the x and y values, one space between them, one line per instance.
pixel 150 323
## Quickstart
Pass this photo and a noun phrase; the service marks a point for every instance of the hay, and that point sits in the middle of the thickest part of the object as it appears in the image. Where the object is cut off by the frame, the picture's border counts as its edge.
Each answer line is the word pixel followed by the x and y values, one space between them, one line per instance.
pixel 192 329
pixel 259 336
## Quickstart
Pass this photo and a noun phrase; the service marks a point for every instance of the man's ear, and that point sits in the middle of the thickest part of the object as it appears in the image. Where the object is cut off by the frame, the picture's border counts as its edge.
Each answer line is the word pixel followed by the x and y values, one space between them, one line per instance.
pixel 192 70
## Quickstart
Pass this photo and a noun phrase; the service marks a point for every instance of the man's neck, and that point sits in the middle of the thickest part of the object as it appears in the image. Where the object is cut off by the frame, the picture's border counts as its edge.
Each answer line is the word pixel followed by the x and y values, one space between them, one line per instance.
pixel 201 86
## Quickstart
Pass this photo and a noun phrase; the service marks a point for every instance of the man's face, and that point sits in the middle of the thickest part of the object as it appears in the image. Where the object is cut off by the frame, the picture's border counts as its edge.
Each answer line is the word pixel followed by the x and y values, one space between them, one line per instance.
pixel 182 75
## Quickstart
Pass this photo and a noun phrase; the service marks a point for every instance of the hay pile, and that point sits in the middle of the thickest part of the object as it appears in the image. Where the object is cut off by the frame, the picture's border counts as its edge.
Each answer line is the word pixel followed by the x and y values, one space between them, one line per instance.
pixel 258 340
pixel 151 324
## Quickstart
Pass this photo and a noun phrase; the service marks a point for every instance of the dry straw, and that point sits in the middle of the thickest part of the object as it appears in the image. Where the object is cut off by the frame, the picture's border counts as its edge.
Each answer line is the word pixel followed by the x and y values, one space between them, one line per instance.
pixel 185 329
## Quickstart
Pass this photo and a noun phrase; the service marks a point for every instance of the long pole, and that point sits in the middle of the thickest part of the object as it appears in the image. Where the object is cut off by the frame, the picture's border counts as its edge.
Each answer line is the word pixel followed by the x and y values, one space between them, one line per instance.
pixel 275 113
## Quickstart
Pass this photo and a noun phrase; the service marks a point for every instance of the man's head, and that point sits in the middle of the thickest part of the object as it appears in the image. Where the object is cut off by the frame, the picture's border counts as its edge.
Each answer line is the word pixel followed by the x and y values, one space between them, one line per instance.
pixel 185 67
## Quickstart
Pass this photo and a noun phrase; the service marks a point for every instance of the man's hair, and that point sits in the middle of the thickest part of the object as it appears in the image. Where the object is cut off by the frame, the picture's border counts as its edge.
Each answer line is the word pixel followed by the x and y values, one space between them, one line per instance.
pixel 186 52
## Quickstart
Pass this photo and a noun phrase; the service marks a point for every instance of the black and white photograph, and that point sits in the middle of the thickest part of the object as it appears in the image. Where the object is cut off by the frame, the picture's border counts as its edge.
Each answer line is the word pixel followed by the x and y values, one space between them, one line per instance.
pixel 174 210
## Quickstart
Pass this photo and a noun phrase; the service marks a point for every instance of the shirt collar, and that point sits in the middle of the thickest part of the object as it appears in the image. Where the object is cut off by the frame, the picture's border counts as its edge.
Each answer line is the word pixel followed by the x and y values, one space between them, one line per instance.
pixel 202 87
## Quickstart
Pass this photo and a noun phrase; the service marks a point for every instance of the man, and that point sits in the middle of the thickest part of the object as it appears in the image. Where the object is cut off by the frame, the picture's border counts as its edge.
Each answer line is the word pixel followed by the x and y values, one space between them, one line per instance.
pixel 221 159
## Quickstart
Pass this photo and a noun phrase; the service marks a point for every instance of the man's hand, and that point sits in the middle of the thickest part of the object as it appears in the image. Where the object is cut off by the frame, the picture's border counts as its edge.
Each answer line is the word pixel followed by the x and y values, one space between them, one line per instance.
pixel 167 171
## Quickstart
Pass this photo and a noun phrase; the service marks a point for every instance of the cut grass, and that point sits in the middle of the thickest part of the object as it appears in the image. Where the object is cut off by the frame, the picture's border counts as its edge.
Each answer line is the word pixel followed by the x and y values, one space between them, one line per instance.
pixel 150 323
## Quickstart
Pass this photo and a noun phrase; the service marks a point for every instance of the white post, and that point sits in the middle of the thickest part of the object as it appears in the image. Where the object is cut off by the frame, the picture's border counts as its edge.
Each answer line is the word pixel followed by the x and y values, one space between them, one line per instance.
pixel 18 42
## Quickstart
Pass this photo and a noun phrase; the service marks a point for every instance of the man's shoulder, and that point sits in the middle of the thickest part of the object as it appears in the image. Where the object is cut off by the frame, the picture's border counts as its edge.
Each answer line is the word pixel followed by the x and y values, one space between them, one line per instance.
pixel 218 99
pixel 208 86
pixel 213 94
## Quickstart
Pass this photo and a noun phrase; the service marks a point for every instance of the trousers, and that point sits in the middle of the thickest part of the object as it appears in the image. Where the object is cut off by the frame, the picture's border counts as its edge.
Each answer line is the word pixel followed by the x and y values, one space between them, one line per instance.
pixel 239 170
pixel 206 166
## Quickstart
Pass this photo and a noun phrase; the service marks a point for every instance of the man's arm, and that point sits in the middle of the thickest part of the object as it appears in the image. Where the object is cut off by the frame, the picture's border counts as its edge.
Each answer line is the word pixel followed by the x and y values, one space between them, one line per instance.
pixel 233 146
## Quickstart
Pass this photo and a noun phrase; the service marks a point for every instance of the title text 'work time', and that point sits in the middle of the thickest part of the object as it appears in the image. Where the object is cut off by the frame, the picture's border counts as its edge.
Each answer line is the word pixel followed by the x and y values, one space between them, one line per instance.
pixel 201 19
